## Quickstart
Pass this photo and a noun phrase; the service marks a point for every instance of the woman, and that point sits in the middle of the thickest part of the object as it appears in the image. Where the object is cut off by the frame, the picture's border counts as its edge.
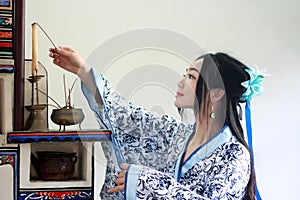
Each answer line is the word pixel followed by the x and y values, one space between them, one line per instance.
pixel 163 158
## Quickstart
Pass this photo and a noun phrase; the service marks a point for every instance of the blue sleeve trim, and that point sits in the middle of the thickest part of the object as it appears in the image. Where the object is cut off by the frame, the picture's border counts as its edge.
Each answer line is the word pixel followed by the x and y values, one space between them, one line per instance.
pixel 132 176
pixel 90 98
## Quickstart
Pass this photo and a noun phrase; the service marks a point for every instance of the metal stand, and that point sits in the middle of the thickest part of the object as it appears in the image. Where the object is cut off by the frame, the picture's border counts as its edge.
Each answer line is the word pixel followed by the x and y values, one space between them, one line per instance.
pixel 35 121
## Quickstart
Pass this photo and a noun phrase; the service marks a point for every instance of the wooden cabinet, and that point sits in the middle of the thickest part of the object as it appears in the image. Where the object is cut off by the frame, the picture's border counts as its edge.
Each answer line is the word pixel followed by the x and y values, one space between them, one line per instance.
pixel 80 186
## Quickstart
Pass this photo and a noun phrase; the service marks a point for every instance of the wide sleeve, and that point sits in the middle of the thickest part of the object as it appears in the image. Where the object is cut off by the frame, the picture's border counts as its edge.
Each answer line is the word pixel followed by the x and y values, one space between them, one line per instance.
pixel 153 184
pixel 141 137
pixel 224 175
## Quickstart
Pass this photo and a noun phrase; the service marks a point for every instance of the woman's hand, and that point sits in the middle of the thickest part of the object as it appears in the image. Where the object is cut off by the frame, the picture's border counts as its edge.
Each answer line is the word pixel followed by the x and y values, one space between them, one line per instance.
pixel 67 58
pixel 120 181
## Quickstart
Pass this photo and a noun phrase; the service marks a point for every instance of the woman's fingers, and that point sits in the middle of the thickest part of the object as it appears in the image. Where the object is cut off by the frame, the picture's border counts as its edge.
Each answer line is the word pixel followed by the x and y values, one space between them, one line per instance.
pixel 121 178
pixel 66 58
pixel 122 174
pixel 116 189
pixel 54 55
pixel 120 181
pixel 67 49
pixel 57 61
pixel 67 52
pixel 52 50
pixel 63 51
pixel 124 166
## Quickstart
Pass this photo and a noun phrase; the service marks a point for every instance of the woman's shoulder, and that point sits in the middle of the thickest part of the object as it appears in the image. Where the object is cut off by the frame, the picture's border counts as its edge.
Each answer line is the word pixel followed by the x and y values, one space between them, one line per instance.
pixel 234 150
pixel 225 145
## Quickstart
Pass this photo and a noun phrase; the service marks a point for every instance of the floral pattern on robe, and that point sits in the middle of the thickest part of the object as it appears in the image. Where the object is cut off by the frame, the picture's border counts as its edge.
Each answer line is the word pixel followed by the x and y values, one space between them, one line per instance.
pixel 143 138
pixel 222 175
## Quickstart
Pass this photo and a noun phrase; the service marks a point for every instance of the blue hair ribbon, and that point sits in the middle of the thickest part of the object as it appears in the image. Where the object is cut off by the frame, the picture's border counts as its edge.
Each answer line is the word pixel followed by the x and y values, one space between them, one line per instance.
pixel 249 136
pixel 253 88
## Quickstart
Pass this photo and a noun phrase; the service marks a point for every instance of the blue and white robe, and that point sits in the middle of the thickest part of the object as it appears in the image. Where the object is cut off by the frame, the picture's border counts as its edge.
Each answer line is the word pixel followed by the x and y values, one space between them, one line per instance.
pixel 154 146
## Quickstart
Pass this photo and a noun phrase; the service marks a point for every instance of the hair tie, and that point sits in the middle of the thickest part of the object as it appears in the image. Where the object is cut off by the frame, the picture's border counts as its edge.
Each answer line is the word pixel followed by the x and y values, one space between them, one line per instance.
pixel 253 88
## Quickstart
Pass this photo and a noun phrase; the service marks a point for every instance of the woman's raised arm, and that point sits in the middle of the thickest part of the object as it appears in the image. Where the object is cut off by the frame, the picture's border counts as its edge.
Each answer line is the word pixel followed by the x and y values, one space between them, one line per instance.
pixel 68 59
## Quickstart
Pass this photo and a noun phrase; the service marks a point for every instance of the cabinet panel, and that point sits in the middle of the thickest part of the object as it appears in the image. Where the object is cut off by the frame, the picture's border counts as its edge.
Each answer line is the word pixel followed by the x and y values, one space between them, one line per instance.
pixel 9 173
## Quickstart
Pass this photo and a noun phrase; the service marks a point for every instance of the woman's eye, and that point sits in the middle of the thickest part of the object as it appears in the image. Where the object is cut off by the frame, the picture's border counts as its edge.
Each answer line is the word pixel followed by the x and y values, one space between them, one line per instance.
pixel 191 76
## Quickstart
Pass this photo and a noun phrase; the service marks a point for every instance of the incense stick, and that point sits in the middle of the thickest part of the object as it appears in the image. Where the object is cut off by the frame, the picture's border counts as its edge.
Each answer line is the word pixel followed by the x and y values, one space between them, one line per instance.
pixel 49 97
pixel 65 89
pixel 45 33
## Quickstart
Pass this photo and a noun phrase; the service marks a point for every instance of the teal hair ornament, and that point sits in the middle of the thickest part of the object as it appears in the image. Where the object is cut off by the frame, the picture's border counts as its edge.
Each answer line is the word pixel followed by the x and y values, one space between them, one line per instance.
pixel 253 85
pixel 253 88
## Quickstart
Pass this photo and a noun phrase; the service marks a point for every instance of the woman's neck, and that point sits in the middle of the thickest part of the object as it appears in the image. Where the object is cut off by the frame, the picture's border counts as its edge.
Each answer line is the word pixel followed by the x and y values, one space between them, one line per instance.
pixel 203 132
pixel 205 129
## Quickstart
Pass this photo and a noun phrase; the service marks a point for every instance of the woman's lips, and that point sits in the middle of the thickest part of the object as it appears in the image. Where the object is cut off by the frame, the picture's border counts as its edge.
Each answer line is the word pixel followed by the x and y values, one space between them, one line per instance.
pixel 178 94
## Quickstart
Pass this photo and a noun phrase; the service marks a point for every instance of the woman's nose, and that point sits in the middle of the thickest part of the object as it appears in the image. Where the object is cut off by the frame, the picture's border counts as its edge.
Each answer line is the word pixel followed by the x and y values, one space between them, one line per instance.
pixel 180 83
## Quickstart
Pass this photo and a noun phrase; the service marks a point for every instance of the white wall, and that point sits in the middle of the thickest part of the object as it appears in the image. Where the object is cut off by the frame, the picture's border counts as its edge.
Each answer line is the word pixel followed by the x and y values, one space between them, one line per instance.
pixel 265 33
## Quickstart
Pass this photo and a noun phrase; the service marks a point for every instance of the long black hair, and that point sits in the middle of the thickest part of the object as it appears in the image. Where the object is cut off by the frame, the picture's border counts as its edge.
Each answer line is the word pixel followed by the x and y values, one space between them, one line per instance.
pixel 225 72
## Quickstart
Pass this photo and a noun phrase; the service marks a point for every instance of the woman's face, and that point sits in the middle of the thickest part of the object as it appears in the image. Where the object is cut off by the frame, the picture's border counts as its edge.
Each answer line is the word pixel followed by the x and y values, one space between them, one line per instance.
pixel 185 95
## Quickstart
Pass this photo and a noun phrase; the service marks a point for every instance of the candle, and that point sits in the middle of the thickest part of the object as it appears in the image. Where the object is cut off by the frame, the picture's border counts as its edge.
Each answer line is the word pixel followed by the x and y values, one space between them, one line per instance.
pixel 34 49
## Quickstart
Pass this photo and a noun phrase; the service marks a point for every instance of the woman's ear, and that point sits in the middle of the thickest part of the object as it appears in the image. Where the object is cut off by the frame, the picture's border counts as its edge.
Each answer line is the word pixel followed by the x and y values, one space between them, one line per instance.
pixel 216 94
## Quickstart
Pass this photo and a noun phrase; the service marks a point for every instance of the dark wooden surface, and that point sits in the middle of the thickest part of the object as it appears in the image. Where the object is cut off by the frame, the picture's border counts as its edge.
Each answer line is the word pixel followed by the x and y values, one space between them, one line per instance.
pixel 19 61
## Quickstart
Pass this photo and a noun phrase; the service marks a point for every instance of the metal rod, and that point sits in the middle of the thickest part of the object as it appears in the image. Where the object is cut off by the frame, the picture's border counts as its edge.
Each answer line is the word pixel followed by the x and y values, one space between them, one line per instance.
pixel 37 92
pixel 32 93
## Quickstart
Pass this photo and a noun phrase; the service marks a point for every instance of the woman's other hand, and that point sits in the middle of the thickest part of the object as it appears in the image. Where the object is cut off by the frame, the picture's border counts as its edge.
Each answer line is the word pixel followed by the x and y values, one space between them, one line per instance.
pixel 120 181
pixel 67 58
